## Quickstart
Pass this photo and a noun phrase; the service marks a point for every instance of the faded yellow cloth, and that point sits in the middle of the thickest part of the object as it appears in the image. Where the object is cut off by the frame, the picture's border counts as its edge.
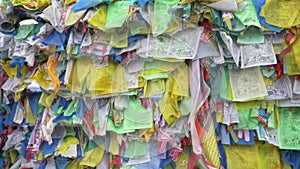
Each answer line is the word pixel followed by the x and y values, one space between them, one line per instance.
pixel 210 147
pixel 80 71
pixel 119 38
pixel 269 81
pixel 279 13
pixel 67 2
pixel 66 143
pixel 41 76
pixel 73 17
pixel 154 87
pixel 169 104
pixel 114 147
pixel 157 66
pixel 93 157
pixel 18 93
pixel 258 156
pixel 253 104
pixel 141 80
pixel 230 95
pixel 278 48
pixel 107 80
pixel 40 156
pixel 27 111
pixel 98 20
pixel 276 117
pixel 119 82
pixel 181 81
pixel 296 51
pixel 30 118
pixel 47 99
pixel 293 68
pixel 146 134
pixel 13 155
pixel 12 72
pixel 182 161
pixel 30 4
pixel 75 164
